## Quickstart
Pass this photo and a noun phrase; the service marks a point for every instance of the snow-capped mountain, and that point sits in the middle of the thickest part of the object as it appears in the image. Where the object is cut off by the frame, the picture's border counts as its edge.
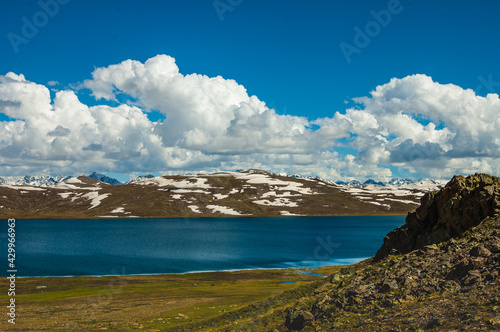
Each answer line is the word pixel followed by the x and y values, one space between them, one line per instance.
pixel 141 178
pixel 41 181
pixel 394 182
pixel 104 178
pixel 399 182
pixel 48 181
pixel 51 181
pixel 374 183
pixel 351 183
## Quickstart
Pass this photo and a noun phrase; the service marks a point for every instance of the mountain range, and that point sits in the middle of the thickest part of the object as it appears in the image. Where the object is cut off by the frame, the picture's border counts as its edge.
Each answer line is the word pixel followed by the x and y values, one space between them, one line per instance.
pixel 47 180
pixel 244 193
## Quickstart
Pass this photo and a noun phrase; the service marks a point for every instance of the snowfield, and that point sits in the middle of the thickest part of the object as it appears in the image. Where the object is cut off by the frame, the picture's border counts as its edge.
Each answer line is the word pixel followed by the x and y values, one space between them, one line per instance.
pixel 194 208
pixel 96 198
pixel 74 180
pixel 224 210
pixel 257 178
pixel 398 200
pixel 190 191
pixel 66 195
pixel 160 181
pixel 377 203
pixel 24 188
pixel 288 213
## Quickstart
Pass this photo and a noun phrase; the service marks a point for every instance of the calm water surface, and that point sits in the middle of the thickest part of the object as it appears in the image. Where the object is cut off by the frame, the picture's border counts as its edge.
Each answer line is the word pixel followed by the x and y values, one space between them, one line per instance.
pixel 156 246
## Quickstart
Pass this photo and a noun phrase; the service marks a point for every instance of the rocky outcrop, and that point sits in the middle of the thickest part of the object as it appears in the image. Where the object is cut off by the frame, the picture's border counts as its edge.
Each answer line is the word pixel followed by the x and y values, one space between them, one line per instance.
pixel 463 203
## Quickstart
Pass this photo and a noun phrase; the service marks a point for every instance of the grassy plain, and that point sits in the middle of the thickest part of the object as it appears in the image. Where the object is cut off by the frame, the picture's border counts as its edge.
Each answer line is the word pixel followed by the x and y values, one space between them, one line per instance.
pixel 186 302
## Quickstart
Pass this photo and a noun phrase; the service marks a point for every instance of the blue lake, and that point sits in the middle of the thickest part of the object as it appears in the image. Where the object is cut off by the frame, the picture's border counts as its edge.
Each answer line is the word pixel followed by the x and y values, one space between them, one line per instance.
pixel 158 246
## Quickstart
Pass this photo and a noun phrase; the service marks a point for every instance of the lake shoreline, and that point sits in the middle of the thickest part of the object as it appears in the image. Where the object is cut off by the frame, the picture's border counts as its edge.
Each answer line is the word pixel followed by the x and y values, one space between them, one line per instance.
pixel 198 273
pixel 208 216
pixel 353 262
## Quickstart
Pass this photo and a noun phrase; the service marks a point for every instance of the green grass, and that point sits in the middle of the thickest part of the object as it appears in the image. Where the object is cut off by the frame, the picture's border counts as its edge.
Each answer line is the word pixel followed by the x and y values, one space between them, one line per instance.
pixel 126 303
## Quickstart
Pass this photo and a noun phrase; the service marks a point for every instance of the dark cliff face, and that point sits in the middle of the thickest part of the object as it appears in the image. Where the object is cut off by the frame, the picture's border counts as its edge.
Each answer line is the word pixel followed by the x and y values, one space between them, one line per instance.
pixel 463 203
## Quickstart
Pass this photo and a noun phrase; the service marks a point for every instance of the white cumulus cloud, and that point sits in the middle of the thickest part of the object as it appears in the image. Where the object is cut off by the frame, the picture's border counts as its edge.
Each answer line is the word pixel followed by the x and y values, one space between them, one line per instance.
pixel 412 123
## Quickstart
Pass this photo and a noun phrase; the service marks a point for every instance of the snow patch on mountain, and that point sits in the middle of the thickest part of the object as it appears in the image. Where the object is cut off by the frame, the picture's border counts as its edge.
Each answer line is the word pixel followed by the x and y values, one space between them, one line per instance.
pixel 141 178
pixel 377 203
pixel 65 195
pixel 224 210
pixel 398 200
pixel 95 197
pixel 283 201
pixel 190 182
pixel 74 181
pixel 194 208
pixel 259 178
pixel 190 191
pixel 23 188
pixel 288 213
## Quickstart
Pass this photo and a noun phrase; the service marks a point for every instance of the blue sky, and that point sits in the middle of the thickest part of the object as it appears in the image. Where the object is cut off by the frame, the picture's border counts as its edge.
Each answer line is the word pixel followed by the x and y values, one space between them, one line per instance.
pixel 287 53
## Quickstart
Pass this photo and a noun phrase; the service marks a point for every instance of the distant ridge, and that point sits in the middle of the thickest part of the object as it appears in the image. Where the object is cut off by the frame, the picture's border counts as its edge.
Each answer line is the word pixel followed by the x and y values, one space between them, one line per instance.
pixel 395 182
pixel 48 181
pixel 104 178
pixel 41 181
pixel 141 178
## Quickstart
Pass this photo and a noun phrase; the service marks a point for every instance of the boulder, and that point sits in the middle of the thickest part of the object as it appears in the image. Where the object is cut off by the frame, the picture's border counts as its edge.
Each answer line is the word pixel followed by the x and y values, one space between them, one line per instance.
pixel 297 320
pixel 387 286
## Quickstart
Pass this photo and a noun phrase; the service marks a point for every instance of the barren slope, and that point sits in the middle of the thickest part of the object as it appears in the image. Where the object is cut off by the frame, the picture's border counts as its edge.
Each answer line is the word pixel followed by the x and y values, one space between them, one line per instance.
pixel 249 193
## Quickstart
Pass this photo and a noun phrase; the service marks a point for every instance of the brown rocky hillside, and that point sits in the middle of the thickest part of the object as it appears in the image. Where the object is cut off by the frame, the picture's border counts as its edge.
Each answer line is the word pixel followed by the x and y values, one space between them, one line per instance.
pixel 249 193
